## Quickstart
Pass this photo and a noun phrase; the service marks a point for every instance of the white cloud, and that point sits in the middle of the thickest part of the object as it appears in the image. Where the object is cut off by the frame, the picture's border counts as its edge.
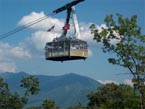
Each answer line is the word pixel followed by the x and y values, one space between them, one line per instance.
pixel 90 53
pixel 7 67
pixel 40 36
pixel 107 81
pixel 8 55
pixel 38 39
pixel 9 51
pixel 128 82
pixel 44 24
pixel 85 32
pixel 19 52
pixel 101 27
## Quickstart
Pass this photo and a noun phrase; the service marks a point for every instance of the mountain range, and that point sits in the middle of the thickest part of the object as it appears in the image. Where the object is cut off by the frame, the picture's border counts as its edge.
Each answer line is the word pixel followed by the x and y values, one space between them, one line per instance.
pixel 66 90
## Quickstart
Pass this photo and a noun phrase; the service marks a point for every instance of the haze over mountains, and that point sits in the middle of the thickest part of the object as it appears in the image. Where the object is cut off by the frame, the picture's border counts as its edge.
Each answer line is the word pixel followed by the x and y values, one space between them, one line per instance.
pixel 66 90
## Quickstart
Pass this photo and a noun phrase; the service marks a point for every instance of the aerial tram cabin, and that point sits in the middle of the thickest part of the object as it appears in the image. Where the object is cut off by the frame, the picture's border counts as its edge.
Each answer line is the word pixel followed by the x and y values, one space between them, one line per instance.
pixel 66 48
pixel 63 49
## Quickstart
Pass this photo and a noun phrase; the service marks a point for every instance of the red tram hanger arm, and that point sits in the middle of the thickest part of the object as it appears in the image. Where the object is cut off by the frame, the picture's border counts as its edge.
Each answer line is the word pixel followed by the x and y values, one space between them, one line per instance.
pixel 67 6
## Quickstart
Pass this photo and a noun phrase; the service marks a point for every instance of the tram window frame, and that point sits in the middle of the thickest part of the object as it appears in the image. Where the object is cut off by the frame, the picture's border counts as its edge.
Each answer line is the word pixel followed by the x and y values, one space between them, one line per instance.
pixel 74 44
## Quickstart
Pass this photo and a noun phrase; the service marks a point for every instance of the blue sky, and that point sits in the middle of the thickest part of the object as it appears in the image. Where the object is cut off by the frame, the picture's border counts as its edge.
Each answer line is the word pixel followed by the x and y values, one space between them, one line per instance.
pixel 23 51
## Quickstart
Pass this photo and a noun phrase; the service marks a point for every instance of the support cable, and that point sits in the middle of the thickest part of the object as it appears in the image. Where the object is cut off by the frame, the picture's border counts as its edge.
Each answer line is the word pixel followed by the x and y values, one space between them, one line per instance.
pixel 11 32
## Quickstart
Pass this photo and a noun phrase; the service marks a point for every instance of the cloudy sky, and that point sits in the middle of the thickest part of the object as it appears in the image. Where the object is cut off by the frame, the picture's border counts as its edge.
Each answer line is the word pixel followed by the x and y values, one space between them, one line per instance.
pixel 24 51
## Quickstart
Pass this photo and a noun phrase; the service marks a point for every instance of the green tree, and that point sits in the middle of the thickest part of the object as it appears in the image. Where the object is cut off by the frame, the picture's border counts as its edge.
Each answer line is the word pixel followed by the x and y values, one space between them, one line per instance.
pixel 34 107
pixel 77 106
pixel 129 48
pixel 4 94
pixel 9 100
pixel 31 85
pixel 49 104
pixel 112 96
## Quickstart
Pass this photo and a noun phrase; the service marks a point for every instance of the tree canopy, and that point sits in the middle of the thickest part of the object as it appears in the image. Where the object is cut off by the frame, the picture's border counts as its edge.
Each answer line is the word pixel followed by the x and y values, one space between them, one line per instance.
pixel 123 37
pixel 9 100
pixel 113 96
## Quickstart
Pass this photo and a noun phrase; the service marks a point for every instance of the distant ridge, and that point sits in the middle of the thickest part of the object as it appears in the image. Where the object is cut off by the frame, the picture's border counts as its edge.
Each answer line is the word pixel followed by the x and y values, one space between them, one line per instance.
pixel 66 90
pixel 7 75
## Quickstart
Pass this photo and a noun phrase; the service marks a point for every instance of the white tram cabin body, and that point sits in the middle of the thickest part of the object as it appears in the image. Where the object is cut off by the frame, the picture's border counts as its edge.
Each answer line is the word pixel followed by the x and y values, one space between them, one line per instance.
pixel 67 48
pixel 64 49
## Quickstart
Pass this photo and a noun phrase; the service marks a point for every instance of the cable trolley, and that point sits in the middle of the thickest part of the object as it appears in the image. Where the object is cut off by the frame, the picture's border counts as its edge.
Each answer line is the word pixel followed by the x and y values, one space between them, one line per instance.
pixel 65 48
